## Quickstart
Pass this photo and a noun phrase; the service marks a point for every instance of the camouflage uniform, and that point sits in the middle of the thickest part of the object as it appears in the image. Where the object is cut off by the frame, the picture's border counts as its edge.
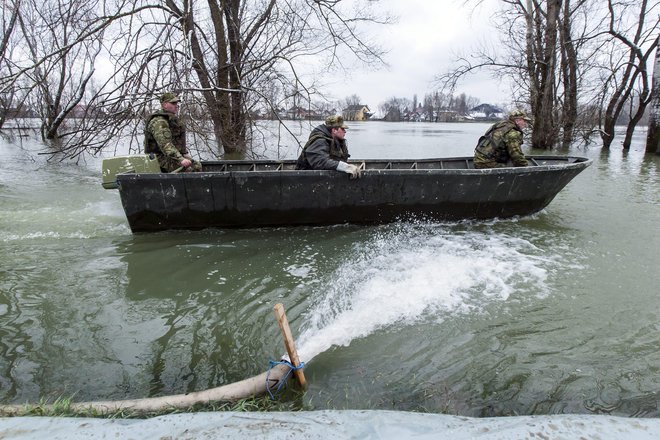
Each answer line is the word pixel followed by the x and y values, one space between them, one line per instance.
pixel 322 151
pixel 165 136
pixel 501 145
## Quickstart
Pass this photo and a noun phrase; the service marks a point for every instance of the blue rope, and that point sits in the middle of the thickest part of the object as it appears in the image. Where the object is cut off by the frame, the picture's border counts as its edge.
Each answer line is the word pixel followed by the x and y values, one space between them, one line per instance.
pixel 286 377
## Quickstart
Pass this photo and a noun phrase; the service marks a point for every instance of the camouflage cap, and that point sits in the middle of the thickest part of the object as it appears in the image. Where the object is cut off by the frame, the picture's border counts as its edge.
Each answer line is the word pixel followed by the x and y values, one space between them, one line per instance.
pixel 169 97
pixel 519 114
pixel 335 121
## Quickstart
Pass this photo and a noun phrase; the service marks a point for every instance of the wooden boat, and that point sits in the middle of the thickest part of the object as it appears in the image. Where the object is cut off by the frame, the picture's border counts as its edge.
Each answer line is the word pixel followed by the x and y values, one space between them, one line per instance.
pixel 245 194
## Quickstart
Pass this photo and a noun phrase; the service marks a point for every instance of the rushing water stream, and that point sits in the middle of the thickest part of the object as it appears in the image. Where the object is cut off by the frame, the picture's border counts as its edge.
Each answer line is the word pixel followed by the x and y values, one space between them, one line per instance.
pixel 553 313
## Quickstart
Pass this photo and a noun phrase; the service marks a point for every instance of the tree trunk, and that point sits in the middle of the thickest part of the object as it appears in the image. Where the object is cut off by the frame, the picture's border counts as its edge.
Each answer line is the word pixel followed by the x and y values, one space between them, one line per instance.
pixel 653 138
pixel 544 133
pixel 222 93
pixel 635 68
pixel 636 117
pixel 569 67
pixel 235 134
pixel 8 28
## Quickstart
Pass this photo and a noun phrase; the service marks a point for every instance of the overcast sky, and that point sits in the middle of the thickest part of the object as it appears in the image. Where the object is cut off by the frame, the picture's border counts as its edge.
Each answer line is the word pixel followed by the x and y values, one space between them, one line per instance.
pixel 423 43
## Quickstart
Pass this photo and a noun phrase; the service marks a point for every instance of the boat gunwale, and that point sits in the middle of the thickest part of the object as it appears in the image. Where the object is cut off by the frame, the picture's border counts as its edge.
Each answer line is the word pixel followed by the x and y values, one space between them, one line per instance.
pixel 571 162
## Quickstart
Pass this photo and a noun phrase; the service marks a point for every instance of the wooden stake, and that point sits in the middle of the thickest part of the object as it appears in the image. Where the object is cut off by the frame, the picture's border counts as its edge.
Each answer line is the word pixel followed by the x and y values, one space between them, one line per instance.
pixel 288 343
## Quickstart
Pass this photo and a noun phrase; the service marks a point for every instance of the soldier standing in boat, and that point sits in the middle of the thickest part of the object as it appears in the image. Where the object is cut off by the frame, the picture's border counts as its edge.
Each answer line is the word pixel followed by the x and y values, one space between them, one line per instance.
pixel 326 149
pixel 165 136
pixel 500 146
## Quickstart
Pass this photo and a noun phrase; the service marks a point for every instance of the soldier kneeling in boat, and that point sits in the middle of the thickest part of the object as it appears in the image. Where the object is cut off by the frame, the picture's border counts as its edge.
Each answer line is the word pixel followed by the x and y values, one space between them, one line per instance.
pixel 326 149
pixel 165 136
pixel 502 142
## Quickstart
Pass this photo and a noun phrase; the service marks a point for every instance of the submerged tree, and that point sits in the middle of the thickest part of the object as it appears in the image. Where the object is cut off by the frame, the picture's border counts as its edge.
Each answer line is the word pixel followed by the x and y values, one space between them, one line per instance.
pixel 628 81
pixel 226 57
pixel 566 55
pixel 653 136
pixel 394 108
pixel 531 37
pixel 245 42
pixel 10 14
pixel 61 70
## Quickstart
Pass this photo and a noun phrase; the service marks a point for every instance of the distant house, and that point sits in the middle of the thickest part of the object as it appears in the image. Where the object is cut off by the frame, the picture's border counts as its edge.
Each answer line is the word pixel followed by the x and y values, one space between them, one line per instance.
pixel 359 112
pixel 278 113
pixel 79 111
pixel 486 112
pixel 296 113
pixel 17 112
pixel 418 115
pixel 302 113
pixel 445 115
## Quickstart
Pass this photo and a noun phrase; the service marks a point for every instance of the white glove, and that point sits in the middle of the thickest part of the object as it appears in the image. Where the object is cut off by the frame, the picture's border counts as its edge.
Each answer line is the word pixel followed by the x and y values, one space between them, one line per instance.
pixel 353 170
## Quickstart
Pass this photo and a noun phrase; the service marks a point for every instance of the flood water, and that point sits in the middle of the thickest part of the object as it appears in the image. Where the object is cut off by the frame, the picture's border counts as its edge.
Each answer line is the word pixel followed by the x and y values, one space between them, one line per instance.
pixel 548 314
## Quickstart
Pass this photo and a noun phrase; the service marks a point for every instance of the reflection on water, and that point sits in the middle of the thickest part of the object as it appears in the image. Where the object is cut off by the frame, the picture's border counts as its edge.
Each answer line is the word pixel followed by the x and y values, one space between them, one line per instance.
pixel 179 284
pixel 423 132
pixel 552 313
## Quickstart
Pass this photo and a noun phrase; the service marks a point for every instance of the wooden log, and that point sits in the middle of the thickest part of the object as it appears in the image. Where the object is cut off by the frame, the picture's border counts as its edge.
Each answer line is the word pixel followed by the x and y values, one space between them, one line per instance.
pixel 289 343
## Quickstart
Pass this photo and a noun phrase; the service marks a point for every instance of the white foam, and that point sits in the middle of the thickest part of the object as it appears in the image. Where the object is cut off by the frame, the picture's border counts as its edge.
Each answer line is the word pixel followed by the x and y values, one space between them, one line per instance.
pixel 66 221
pixel 106 208
pixel 406 276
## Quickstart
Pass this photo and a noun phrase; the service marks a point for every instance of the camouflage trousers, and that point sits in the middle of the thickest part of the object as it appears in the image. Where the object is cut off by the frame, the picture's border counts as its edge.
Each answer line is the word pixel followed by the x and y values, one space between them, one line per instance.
pixel 479 164
pixel 484 161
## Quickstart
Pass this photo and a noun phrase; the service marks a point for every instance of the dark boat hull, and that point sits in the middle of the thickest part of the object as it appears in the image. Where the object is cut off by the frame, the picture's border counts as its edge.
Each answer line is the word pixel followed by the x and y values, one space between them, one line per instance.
pixel 271 193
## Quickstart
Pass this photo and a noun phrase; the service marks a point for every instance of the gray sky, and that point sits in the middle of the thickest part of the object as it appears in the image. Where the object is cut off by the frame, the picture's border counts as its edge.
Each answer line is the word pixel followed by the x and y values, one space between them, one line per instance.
pixel 423 43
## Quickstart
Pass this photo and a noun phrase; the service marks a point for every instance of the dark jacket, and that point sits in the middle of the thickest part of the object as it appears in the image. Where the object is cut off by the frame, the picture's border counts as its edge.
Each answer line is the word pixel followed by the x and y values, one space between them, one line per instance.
pixel 322 152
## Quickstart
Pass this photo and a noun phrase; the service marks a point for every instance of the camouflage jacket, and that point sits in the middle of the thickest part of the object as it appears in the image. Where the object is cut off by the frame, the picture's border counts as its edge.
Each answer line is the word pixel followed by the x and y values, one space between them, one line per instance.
pixel 164 134
pixel 500 144
pixel 322 152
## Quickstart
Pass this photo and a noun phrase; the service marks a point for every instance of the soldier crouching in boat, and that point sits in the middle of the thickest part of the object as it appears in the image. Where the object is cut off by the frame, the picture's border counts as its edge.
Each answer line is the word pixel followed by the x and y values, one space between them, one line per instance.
pixel 326 149
pixel 502 142
pixel 165 136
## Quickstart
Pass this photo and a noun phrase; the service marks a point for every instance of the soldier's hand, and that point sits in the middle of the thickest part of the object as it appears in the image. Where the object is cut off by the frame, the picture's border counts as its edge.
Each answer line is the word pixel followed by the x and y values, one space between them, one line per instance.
pixel 185 163
pixel 354 171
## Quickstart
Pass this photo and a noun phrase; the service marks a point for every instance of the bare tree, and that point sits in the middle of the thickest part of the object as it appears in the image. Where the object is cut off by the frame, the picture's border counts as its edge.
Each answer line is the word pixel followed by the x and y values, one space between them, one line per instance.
pixel 653 136
pixel 440 102
pixel 530 39
pixel 226 51
pixel 428 108
pixel 352 100
pixel 394 109
pixel 60 81
pixel 228 58
pixel 568 45
pixel 461 104
pixel 325 108
pixel 10 14
pixel 569 72
pixel 629 76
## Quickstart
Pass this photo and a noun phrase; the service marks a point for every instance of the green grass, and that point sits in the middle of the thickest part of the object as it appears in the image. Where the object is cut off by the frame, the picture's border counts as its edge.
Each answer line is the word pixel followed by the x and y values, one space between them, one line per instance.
pixel 62 407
